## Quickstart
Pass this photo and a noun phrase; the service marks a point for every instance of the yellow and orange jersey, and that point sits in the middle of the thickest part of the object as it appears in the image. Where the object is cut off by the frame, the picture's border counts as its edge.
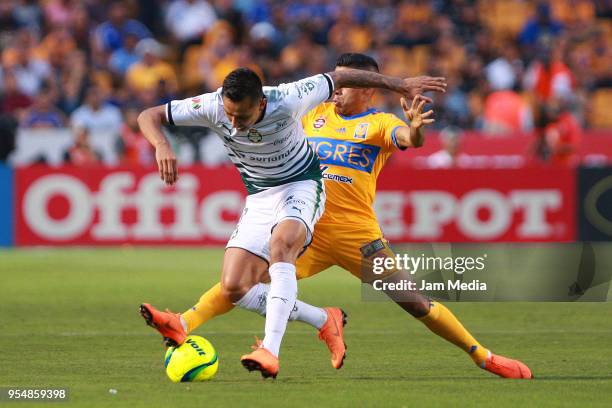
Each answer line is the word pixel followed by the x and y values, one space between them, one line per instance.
pixel 352 151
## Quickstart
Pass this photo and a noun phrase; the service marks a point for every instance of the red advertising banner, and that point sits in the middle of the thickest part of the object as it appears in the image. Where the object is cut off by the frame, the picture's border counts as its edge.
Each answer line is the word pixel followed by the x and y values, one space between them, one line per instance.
pixel 477 205
pixel 102 206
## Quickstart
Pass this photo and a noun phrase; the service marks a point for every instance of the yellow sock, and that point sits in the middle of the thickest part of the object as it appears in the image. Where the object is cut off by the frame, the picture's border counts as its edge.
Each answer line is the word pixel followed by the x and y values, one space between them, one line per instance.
pixel 443 322
pixel 211 304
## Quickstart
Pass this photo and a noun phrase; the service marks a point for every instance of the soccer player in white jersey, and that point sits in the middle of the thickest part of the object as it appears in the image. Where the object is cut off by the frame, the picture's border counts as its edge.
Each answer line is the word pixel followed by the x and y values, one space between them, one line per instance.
pixel 261 129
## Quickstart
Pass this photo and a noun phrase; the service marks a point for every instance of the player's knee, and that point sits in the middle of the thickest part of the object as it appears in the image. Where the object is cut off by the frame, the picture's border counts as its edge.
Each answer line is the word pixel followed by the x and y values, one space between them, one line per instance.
pixel 282 250
pixel 287 244
pixel 232 290
pixel 417 308
pixel 280 245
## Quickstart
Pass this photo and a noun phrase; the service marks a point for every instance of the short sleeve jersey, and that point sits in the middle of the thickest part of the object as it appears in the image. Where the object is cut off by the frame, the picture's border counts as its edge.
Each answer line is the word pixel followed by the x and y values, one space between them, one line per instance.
pixel 352 151
pixel 274 151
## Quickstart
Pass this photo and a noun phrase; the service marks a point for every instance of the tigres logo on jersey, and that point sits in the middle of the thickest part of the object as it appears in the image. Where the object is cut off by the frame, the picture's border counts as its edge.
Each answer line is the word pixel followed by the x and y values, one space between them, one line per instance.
pixel 358 156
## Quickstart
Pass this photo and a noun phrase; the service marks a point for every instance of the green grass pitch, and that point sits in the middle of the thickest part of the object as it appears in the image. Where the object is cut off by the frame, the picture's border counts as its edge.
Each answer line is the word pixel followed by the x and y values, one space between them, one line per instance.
pixel 69 319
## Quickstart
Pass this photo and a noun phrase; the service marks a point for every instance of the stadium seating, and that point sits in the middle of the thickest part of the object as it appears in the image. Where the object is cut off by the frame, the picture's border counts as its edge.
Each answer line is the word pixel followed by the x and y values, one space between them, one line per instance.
pixel 601 103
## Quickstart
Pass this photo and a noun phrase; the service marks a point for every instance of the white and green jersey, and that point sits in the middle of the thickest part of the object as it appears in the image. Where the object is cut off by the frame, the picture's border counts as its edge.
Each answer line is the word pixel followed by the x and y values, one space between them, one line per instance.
pixel 274 151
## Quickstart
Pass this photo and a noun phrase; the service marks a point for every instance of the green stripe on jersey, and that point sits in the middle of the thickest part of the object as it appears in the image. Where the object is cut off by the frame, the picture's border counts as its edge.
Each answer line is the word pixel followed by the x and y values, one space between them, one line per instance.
pixel 290 172
pixel 312 172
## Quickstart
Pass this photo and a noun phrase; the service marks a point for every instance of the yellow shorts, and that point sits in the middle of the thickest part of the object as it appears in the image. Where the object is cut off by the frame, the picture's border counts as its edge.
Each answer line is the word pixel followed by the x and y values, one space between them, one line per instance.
pixel 349 248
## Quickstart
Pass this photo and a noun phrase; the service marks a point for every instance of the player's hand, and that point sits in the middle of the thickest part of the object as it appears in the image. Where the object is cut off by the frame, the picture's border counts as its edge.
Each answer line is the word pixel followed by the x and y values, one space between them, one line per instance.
pixel 414 113
pixel 166 163
pixel 419 85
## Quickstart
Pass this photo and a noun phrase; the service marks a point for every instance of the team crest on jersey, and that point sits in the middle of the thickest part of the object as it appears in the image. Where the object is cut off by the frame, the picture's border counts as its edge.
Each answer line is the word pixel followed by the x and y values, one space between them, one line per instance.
pixel 319 122
pixel 281 124
pixel 196 103
pixel 361 131
pixel 254 136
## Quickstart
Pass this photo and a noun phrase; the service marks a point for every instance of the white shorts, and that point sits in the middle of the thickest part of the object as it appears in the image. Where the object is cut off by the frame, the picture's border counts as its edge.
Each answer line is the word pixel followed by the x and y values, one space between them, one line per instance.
pixel 303 200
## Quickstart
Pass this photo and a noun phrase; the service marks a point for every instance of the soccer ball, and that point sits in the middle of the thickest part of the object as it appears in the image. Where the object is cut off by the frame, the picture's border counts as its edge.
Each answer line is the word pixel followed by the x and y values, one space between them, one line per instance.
pixel 194 360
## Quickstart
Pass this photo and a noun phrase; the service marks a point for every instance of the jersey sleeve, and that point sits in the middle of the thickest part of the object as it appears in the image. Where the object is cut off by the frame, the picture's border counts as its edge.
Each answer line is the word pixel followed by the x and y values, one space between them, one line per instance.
pixel 202 110
pixel 303 95
pixel 389 124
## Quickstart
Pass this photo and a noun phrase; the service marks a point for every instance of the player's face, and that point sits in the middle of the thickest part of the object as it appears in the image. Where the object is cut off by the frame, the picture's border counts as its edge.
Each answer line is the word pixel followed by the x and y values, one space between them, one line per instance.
pixel 350 101
pixel 243 114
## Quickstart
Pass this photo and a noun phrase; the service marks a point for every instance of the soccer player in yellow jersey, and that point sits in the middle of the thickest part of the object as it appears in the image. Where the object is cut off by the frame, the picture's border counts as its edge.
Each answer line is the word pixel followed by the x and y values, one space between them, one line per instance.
pixel 353 142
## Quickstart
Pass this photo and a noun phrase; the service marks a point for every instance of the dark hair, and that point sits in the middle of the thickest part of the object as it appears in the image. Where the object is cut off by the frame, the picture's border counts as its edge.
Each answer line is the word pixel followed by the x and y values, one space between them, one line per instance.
pixel 242 83
pixel 357 61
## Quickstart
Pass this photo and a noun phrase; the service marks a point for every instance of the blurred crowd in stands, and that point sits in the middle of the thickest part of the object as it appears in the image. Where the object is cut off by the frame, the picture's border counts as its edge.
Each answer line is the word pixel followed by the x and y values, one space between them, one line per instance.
pixel 513 66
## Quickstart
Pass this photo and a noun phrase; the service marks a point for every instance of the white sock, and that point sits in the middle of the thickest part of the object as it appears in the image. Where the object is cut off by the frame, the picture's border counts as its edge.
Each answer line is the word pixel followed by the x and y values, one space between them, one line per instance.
pixel 255 301
pixel 312 315
pixel 281 299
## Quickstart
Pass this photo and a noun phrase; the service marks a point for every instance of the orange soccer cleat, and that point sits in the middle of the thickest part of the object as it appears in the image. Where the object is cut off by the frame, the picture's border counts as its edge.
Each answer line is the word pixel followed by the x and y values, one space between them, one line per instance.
pixel 332 333
pixel 260 359
pixel 507 367
pixel 168 324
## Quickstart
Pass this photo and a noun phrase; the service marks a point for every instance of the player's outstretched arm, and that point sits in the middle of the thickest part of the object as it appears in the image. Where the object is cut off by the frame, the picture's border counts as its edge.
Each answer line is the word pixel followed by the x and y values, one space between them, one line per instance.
pixel 413 135
pixel 150 122
pixel 408 87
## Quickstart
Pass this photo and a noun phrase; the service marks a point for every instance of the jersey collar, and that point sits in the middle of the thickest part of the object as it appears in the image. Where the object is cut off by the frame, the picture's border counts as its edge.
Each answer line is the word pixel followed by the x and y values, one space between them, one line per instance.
pixel 358 115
